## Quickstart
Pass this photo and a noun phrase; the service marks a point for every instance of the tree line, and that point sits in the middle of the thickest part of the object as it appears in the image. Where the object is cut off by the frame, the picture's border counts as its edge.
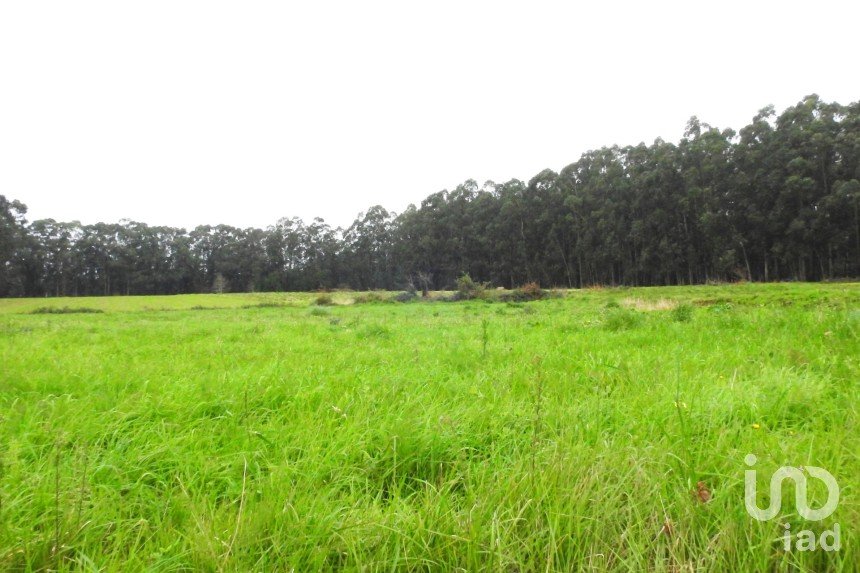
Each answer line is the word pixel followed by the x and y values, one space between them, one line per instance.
pixel 778 200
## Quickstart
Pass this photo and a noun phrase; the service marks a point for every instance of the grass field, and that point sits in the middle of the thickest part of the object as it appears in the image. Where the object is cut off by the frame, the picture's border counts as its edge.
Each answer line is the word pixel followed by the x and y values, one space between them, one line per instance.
pixel 604 430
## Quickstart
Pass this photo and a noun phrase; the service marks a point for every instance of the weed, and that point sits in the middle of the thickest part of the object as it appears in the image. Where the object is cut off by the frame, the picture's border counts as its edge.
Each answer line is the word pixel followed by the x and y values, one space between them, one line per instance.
pixel 485 336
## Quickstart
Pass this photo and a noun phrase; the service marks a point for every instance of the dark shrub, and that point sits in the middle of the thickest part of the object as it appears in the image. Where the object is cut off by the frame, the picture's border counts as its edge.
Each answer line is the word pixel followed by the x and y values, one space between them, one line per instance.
pixel 527 292
pixel 404 297
pixel 532 291
pixel 682 313
pixel 324 300
pixel 468 289
pixel 65 310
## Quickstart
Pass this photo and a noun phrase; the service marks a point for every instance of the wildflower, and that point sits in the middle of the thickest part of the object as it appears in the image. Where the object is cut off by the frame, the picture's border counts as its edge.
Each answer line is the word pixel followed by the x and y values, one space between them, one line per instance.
pixel 756 426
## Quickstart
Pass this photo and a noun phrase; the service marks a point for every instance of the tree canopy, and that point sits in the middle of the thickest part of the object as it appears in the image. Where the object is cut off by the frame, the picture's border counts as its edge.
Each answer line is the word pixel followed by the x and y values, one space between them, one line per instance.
pixel 778 200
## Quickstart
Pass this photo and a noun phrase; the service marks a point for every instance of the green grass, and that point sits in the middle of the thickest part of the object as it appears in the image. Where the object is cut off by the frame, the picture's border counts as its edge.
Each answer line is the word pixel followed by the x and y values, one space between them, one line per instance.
pixel 270 434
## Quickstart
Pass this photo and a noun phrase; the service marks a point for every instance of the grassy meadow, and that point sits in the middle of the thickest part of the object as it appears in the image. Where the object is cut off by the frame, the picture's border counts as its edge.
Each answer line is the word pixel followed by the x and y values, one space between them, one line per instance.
pixel 601 430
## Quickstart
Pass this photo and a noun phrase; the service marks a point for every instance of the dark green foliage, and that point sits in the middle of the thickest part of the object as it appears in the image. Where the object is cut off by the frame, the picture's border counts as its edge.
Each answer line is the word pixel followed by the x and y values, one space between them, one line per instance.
pixel 682 313
pixel 405 297
pixel 65 310
pixel 323 300
pixel 467 289
pixel 778 200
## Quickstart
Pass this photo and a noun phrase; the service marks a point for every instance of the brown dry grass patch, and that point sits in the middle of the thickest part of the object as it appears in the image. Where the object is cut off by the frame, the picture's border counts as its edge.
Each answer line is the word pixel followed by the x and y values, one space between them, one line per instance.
pixel 649 305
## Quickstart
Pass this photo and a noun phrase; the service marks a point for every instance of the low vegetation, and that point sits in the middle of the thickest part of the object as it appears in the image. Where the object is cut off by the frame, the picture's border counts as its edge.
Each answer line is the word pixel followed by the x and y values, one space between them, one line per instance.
pixel 65 310
pixel 324 300
pixel 568 433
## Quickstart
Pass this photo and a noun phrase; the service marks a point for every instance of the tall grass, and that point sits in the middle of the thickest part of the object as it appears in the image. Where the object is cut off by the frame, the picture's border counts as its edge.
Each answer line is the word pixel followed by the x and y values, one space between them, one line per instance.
pixel 427 437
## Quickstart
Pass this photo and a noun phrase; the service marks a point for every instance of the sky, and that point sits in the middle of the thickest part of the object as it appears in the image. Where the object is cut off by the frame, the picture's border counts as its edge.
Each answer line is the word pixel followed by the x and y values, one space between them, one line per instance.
pixel 186 112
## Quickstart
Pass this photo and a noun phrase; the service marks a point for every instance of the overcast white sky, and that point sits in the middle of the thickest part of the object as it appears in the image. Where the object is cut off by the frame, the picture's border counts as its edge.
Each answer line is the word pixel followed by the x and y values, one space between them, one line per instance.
pixel 191 112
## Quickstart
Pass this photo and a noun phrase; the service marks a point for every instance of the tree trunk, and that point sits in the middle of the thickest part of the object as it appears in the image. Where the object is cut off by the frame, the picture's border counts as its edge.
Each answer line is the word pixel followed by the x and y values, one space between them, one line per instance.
pixel 747 263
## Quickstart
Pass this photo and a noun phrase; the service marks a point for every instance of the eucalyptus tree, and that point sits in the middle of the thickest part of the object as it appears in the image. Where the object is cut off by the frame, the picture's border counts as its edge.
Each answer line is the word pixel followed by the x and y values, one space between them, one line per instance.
pixel 779 199
pixel 12 238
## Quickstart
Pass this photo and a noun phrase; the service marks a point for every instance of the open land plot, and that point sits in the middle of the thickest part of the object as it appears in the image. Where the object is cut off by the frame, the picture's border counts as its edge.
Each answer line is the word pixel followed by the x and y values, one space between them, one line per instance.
pixel 604 429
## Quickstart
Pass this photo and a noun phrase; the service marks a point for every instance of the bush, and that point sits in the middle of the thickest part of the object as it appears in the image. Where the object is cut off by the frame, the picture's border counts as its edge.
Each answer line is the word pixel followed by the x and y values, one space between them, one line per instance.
pixel 682 313
pixel 65 310
pixel 512 297
pixel 404 297
pixel 527 292
pixel 532 291
pixel 324 300
pixel 467 289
